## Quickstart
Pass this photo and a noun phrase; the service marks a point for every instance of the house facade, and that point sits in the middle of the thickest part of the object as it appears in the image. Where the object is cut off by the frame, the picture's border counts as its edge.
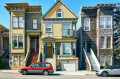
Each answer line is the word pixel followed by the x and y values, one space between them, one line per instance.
pixel 96 35
pixel 24 34
pixel 59 37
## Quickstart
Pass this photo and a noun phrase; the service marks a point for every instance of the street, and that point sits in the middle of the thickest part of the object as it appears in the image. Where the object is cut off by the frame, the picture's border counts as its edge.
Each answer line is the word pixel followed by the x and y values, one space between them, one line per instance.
pixel 52 76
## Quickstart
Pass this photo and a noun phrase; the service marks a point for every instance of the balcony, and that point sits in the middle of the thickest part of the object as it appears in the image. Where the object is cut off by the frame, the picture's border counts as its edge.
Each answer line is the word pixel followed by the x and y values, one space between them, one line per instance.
pixel 69 32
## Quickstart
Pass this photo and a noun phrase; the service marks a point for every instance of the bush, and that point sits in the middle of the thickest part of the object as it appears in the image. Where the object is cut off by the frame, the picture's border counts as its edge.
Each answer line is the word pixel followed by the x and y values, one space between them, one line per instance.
pixel 1 62
pixel 106 64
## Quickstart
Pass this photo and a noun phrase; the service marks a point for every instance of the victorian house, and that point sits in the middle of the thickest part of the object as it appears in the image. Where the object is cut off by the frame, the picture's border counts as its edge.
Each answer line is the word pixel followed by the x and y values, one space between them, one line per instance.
pixel 59 37
pixel 24 34
pixel 96 36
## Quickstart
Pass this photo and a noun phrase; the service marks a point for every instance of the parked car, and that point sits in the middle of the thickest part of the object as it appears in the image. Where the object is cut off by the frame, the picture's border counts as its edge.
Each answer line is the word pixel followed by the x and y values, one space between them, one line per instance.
pixel 109 70
pixel 39 67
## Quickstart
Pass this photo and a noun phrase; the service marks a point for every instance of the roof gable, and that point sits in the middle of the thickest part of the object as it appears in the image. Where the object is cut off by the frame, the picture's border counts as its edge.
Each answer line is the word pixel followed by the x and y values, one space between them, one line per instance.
pixel 67 13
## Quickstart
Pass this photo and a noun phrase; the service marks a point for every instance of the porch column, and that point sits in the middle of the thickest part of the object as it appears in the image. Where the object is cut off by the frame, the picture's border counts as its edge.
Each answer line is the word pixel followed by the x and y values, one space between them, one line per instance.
pixel 54 56
pixel 28 42
pixel 54 50
pixel 43 56
pixel 1 43
pixel 39 49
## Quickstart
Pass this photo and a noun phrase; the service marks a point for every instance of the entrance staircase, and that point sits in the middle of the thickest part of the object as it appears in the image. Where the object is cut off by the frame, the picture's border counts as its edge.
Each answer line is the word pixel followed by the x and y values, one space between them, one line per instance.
pixel 33 58
pixel 92 60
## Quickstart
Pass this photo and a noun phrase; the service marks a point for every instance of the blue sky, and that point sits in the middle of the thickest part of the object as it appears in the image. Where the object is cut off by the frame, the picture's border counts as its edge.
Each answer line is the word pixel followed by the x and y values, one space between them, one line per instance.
pixel 74 5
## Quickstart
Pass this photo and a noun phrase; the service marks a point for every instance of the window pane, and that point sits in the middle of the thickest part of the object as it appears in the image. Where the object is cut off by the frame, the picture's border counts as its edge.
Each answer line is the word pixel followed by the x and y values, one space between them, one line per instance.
pixel 108 23
pixel 87 24
pixel 20 21
pixel 66 48
pixel 20 41
pixel 14 41
pixel 40 65
pixel 21 60
pixel 15 60
pixel 66 29
pixel 59 13
pixel 108 42
pixel 108 59
pixel 102 42
pixel 102 60
pixel 34 26
pixel 14 21
pixel 102 22
pixel 58 48
pixel 34 20
pixel 48 28
pixel 47 65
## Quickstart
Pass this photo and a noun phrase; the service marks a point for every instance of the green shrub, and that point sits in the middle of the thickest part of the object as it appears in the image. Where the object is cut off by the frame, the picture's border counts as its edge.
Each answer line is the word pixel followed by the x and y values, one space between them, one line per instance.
pixel 106 64
pixel 1 62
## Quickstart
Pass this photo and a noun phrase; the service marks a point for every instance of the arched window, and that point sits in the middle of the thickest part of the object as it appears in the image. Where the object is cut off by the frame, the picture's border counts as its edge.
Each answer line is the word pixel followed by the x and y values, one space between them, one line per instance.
pixel 59 13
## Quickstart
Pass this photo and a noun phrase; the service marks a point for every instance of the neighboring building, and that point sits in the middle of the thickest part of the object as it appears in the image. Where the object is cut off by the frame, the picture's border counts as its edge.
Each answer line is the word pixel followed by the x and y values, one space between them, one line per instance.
pixel 4 45
pixel 59 37
pixel 96 36
pixel 24 34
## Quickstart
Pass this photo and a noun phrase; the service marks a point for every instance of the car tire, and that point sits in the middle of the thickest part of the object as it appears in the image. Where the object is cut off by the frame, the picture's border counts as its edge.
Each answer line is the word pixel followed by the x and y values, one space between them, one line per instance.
pixel 104 74
pixel 45 72
pixel 24 72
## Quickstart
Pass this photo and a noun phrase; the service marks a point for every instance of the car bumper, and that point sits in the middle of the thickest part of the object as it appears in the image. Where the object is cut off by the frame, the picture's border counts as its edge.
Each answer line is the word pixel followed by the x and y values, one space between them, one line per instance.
pixel 51 71
pixel 98 73
pixel 19 71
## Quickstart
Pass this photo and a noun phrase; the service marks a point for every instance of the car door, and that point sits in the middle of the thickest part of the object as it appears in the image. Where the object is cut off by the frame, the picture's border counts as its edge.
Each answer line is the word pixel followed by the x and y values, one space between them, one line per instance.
pixel 32 68
pixel 118 70
pixel 112 70
pixel 39 68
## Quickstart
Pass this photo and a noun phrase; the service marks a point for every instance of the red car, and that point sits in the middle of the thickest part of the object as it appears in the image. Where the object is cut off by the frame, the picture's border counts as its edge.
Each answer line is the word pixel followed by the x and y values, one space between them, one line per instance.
pixel 39 67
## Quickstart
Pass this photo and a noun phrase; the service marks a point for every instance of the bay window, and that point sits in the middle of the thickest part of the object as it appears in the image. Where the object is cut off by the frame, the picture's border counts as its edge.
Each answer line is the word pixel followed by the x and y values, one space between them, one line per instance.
pixel 108 22
pixel 21 22
pixel 102 22
pixel 14 22
pixel 18 60
pixel 104 59
pixel 87 24
pixel 66 48
pixel 15 60
pixel 21 60
pixel 17 41
pixel 35 23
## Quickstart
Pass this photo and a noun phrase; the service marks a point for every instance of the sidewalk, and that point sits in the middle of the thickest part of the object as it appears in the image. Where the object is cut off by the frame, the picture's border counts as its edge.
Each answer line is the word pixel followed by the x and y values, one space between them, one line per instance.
pixel 57 72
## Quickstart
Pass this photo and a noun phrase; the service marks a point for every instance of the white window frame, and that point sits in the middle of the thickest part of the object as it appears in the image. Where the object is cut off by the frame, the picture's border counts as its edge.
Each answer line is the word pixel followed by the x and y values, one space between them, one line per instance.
pixel 105 60
pixel 62 28
pixel 35 23
pixel 59 12
pixel 20 21
pixel 89 24
pixel 105 37
pixel 16 22
pixel 105 25
pixel 70 49
pixel 46 28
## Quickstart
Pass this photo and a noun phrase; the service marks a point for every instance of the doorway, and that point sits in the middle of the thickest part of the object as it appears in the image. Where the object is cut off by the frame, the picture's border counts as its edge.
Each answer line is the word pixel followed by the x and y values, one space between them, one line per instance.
pixel 87 46
pixel 34 44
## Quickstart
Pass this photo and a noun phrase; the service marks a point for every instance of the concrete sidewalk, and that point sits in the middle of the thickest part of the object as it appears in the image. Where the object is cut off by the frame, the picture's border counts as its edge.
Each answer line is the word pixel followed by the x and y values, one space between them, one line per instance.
pixel 57 72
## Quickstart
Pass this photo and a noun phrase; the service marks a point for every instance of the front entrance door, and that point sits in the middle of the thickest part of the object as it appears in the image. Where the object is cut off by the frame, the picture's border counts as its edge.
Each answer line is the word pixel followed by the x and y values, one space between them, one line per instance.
pixel 49 52
pixel 87 46
pixel 34 44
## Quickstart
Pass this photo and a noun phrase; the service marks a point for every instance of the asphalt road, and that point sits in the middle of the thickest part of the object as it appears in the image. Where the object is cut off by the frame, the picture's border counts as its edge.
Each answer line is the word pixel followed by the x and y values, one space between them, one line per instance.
pixel 52 76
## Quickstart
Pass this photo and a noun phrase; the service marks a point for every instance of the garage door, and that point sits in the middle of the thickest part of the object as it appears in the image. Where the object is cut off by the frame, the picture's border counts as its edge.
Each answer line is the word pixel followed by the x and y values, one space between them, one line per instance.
pixel 68 65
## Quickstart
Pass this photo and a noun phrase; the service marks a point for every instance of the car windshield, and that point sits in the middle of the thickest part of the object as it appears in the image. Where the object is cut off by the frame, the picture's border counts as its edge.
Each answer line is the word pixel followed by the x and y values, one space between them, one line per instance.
pixel 106 67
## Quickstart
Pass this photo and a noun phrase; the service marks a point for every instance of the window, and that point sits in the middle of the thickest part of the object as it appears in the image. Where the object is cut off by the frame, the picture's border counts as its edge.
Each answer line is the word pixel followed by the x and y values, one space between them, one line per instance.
pixel 15 60
pixel 13 8
pixel 59 13
pixel 102 42
pixel 88 46
pixel 17 8
pixel 58 48
pixel 66 29
pixel 103 59
pixel 102 22
pixel 74 47
pixel 108 42
pixel 21 22
pixel 87 24
pixel 21 60
pixel 66 48
pixel 21 8
pixel 14 41
pixel 47 65
pixel 40 65
pixel 34 23
pixel 20 38
pixel 14 22
pixel 49 29
pixel 108 22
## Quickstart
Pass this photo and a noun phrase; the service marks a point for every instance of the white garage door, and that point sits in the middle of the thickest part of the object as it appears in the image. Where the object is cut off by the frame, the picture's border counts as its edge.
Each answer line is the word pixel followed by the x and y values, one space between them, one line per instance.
pixel 68 65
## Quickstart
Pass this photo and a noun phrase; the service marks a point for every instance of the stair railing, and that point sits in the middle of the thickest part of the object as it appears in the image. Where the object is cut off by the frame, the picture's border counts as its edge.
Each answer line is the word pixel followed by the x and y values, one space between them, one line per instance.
pixel 95 58
pixel 27 56
pixel 87 59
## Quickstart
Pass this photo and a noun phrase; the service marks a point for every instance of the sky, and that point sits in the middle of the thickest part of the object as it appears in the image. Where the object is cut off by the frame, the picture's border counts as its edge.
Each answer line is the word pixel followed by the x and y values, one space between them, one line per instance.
pixel 74 5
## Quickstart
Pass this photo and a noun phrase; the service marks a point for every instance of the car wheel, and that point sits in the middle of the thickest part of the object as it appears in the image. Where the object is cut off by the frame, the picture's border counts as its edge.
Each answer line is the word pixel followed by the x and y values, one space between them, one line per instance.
pixel 45 72
pixel 24 72
pixel 104 74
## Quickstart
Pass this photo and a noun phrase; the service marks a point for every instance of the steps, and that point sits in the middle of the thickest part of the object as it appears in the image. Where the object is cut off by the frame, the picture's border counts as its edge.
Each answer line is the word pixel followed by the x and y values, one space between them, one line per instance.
pixel 33 58
pixel 92 62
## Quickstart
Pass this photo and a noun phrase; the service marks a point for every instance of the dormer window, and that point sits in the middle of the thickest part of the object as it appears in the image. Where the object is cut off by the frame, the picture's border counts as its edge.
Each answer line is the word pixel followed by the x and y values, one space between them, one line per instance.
pixel 59 13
